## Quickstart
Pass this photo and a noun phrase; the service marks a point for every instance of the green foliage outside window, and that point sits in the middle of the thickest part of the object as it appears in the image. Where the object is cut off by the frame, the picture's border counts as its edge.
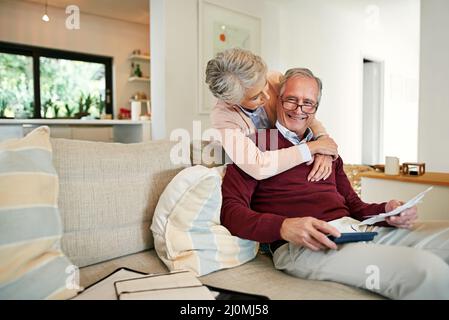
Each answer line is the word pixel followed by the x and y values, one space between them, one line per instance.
pixel 69 89
pixel 16 85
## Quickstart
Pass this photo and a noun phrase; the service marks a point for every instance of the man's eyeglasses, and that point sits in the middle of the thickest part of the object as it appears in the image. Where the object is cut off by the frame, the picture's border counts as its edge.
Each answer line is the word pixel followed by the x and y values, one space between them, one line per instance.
pixel 291 105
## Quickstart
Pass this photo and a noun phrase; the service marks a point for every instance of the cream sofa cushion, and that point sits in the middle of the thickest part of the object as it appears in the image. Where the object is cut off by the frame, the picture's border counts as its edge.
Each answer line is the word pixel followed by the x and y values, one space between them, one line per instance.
pixel 108 192
pixel 187 229
pixel 32 266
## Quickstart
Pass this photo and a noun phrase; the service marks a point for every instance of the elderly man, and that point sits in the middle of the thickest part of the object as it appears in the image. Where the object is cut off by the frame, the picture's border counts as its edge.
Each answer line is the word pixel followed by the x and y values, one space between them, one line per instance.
pixel 408 260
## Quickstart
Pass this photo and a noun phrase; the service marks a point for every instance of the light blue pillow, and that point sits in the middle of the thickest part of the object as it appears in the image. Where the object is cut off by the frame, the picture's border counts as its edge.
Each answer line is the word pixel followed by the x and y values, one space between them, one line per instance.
pixel 32 266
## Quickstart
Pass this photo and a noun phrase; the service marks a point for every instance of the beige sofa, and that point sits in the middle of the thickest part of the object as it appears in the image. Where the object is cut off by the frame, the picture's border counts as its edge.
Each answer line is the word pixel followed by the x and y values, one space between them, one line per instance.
pixel 108 193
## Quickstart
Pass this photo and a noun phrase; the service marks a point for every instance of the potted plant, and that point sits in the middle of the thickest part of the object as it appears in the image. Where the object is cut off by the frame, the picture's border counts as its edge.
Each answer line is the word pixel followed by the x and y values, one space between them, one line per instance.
pixel 83 106
pixel 56 109
pixel 88 103
pixel 68 110
pixel 101 106
pixel 3 106
pixel 47 105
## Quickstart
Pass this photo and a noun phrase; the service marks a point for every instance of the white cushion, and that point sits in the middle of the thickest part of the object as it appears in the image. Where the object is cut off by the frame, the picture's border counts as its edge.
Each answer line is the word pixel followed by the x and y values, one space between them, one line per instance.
pixel 186 225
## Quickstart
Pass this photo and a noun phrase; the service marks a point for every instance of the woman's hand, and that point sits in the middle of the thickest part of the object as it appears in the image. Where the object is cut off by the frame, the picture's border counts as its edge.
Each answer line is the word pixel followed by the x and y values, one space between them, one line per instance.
pixel 324 145
pixel 322 168
pixel 404 220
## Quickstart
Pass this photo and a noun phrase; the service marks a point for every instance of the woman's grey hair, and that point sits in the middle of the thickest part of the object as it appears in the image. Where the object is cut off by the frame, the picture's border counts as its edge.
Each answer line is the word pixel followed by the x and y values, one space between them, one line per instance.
pixel 232 72
pixel 301 72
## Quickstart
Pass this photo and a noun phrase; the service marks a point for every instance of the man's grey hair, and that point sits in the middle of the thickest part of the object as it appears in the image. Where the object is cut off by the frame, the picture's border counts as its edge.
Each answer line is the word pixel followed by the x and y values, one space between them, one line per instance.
pixel 304 73
pixel 232 72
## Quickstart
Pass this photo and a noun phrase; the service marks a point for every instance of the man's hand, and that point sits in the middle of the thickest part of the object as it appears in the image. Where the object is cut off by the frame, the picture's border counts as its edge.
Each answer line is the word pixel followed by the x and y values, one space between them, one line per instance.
pixel 324 145
pixel 309 232
pixel 322 168
pixel 405 220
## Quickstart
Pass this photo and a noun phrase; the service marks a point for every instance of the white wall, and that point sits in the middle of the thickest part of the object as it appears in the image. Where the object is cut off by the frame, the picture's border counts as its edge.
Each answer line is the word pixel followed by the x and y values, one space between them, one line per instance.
pixel 158 67
pixel 21 22
pixel 434 93
pixel 331 37
pixel 174 43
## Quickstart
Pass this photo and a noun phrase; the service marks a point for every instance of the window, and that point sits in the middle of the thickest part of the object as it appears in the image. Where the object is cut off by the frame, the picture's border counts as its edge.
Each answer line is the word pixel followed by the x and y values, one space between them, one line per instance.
pixel 82 89
pixel 45 83
pixel 16 84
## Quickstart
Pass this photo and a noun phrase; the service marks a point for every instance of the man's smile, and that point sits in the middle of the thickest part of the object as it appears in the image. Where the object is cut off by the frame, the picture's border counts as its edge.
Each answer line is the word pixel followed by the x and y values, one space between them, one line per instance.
pixel 298 117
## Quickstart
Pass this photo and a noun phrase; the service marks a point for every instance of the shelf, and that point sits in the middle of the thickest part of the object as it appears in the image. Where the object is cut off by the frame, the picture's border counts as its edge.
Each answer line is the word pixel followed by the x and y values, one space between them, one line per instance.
pixel 139 57
pixel 137 79
pixel 432 178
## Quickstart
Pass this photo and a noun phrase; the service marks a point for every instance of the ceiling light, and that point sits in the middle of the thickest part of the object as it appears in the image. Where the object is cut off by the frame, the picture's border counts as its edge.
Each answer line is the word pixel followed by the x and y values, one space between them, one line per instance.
pixel 45 17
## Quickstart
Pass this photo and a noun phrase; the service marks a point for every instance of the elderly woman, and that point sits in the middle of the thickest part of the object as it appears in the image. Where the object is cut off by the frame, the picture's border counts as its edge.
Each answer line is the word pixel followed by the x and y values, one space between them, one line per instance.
pixel 247 99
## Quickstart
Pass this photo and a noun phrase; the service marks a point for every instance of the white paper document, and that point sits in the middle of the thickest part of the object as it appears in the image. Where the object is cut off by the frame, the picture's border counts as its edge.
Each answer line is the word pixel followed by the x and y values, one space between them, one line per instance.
pixel 381 217
pixel 347 225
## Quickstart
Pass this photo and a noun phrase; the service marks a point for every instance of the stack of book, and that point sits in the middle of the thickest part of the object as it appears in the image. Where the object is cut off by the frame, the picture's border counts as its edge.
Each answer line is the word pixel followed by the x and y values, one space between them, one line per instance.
pixel 126 284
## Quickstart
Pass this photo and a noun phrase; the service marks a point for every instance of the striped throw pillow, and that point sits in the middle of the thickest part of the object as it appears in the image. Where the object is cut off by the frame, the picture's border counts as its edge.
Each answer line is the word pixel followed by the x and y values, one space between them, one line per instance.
pixel 186 225
pixel 31 264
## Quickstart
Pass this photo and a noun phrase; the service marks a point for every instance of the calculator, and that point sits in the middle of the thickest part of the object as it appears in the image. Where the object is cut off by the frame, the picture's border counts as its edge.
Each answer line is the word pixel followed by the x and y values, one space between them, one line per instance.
pixel 353 237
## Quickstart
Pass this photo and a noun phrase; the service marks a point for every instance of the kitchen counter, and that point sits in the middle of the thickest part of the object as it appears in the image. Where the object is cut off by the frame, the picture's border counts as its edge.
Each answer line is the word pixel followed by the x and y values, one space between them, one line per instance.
pixel 122 131
pixel 73 122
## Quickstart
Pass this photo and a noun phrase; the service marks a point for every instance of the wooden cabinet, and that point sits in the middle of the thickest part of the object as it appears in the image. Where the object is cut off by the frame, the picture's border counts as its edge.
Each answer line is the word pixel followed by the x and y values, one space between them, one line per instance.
pixel 378 187
pixel 92 133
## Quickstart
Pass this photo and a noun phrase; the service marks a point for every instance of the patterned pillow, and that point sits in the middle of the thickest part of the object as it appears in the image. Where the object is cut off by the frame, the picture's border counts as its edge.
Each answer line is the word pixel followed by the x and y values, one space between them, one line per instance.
pixel 31 264
pixel 186 225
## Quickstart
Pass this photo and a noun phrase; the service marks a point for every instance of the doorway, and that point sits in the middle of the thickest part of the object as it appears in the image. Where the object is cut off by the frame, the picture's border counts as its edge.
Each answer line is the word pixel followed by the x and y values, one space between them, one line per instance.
pixel 372 130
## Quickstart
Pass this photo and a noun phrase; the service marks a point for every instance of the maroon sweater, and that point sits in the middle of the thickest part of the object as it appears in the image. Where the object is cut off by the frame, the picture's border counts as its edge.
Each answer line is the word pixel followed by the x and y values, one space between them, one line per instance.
pixel 255 210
